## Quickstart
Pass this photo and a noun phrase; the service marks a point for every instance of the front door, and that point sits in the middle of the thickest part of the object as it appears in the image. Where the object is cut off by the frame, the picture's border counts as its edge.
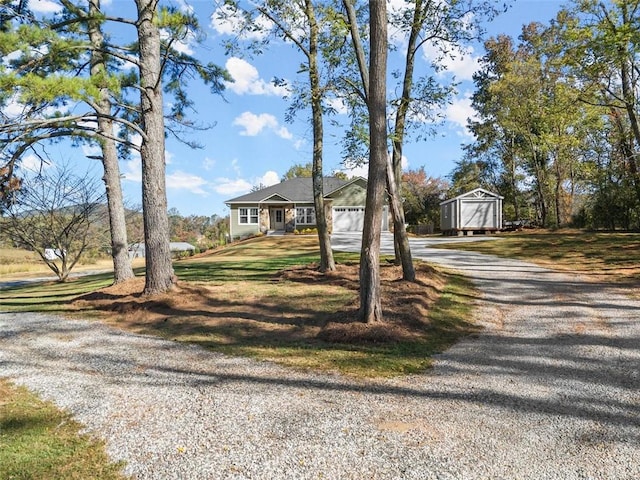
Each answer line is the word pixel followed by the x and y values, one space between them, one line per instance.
pixel 278 219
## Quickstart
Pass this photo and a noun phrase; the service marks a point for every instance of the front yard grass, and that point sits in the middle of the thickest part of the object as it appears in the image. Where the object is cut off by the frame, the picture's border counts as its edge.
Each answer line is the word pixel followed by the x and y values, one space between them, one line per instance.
pixel 38 442
pixel 265 299
pixel 602 256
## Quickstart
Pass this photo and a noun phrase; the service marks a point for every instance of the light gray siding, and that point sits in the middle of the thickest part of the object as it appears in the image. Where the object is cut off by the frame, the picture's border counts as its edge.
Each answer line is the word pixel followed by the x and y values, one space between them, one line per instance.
pixel 351 195
pixel 239 230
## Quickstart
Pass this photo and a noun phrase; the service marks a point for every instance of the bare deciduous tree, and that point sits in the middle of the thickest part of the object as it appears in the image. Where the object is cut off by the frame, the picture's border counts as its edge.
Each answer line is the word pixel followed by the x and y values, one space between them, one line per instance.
pixel 56 214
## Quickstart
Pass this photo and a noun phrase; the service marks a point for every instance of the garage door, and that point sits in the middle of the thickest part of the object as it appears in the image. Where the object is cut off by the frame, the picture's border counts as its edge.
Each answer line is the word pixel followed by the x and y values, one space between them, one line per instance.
pixel 348 219
pixel 478 215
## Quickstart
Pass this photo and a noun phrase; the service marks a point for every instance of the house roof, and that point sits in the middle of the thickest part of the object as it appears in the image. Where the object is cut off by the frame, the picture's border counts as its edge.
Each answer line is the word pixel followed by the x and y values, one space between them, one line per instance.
pixel 478 193
pixel 295 190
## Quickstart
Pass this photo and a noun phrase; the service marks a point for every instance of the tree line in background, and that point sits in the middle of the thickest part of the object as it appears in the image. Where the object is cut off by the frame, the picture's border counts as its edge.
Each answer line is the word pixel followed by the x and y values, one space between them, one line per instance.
pixel 557 132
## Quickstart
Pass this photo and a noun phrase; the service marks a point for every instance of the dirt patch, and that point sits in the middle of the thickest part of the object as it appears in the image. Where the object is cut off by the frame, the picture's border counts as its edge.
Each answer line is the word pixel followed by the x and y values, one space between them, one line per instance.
pixel 298 304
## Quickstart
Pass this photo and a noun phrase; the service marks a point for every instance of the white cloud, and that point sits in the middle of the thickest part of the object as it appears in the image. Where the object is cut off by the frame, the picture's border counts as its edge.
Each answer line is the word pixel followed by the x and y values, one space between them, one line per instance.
pixel 396 36
pixel 14 108
pixel 168 157
pixel 44 6
pixel 227 186
pixel 133 169
pixel 208 163
pixel 225 21
pixel 299 144
pixel 10 57
pixel 239 186
pixel 180 180
pixel 338 105
pixel 88 124
pixel 254 124
pixel 464 66
pixel 184 6
pixel 460 111
pixel 268 179
pixel 91 151
pixel 136 139
pixel 460 62
pixel 184 45
pixel 404 163
pixel 247 80
pixel 283 132
pixel 360 170
pixel 235 166
pixel 33 164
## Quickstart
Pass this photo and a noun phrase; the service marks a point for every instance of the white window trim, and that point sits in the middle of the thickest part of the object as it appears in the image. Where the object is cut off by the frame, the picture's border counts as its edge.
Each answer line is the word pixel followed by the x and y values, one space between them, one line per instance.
pixel 251 218
pixel 309 214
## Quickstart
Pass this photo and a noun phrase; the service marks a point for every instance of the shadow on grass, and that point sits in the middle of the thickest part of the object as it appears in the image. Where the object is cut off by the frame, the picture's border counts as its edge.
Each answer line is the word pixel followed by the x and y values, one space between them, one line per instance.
pixel 303 318
pixel 276 307
pixel 610 255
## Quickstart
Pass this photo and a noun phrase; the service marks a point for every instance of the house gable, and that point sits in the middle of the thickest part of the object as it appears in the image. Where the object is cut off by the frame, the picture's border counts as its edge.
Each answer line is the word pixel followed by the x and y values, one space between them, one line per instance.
pixel 275 198
pixel 476 193
pixel 353 193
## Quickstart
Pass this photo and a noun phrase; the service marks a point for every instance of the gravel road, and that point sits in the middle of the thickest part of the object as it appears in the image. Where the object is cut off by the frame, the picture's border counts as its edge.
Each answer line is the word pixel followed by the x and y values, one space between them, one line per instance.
pixel 550 390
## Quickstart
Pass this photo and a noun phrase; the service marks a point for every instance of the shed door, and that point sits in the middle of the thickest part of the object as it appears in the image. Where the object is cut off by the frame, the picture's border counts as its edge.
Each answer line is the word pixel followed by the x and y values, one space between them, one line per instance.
pixel 348 219
pixel 478 214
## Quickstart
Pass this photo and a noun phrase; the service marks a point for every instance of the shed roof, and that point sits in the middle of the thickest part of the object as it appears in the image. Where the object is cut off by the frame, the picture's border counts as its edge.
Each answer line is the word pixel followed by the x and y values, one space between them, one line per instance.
pixel 296 190
pixel 476 193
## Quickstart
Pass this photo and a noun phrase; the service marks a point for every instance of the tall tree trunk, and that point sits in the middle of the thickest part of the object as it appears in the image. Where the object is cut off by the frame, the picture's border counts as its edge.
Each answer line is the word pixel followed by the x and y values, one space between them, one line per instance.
pixel 626 146
pixel 400 232
pixel 401 240
pixel 558 191
pixel 122 270
pixel 327 262
pixel 540 181
pixel 513 180
pixel 370 291
pixel 159 270
pixel 630 107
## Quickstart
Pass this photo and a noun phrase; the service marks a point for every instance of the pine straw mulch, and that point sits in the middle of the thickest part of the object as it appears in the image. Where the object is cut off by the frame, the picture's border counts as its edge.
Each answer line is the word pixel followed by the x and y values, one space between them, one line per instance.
pixel 292 307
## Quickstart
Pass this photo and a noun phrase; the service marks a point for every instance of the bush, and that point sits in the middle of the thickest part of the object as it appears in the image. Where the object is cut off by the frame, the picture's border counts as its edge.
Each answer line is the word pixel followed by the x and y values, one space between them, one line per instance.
pixel 305 231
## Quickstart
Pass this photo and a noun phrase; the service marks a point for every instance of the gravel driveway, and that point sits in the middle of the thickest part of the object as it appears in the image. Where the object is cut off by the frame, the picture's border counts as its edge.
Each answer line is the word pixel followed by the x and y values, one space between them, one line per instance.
pixel 550 390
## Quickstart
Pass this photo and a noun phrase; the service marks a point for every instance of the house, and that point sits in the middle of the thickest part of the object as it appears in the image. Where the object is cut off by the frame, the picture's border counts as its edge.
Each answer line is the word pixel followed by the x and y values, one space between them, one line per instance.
pixel 477 210
pixel 137 250
pixel 288 206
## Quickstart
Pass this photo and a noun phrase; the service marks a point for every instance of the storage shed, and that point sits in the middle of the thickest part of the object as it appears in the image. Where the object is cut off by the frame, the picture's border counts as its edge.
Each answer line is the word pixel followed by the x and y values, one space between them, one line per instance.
pixel 476 211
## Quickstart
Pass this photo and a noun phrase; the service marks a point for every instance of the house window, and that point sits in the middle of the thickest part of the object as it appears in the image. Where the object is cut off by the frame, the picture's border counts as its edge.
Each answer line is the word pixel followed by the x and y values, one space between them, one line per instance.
pixel 248 216
pixel 305 216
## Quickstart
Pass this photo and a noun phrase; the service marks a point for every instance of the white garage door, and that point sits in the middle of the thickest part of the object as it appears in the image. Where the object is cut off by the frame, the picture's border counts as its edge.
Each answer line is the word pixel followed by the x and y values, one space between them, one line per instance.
pixel 348 219
pixel 478 215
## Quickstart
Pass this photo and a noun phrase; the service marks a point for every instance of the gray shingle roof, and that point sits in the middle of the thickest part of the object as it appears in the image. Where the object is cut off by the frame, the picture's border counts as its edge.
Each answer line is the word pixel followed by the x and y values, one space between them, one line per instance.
pixel 298 189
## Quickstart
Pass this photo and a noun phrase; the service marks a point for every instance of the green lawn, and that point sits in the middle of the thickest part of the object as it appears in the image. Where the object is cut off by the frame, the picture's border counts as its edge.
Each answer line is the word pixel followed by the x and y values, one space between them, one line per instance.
pixel 237 301
pixel 607 256
pixel 39 442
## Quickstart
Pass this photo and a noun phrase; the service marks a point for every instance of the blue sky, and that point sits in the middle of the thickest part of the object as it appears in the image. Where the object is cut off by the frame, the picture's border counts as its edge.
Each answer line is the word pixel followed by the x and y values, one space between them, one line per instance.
pixel 250 142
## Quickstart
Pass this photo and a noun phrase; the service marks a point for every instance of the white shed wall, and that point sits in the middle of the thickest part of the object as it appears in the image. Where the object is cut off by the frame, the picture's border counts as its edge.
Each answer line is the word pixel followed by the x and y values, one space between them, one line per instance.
pixel 475 210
